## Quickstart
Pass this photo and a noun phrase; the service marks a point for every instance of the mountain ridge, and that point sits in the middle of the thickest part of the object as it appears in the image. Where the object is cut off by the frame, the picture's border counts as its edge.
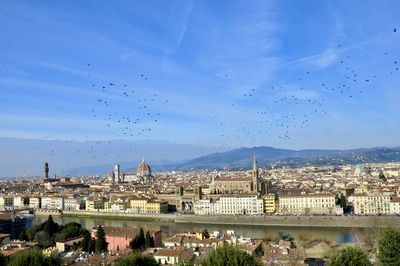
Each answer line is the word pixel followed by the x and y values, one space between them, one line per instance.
pixel 268 156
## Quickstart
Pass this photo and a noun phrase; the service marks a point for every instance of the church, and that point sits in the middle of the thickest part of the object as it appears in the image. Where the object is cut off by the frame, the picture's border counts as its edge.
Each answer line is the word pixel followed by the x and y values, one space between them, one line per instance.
pixel 238 184
pixel 142 175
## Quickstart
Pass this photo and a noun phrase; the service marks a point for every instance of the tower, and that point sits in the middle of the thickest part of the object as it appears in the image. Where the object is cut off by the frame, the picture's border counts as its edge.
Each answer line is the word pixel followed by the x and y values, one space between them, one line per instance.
pixel 46 170
pixel 255 176
pixel 116 173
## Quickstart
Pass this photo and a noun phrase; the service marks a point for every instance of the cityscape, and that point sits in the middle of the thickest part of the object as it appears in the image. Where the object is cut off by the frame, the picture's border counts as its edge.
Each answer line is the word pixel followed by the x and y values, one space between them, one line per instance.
pixel 199 133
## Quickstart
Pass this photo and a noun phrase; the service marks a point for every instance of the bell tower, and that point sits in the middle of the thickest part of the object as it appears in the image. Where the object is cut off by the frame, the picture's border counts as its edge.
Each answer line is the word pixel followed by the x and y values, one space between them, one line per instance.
pixel 256 183
pixel 46 171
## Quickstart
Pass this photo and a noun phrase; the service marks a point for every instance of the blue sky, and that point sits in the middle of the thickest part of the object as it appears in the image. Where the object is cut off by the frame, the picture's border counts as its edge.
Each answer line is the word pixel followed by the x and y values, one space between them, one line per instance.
pixel 190 67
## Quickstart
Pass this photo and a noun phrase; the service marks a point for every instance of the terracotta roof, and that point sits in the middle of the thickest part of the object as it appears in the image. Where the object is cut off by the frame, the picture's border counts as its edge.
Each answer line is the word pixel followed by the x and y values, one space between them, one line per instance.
pixel 143 167
pixel 125 231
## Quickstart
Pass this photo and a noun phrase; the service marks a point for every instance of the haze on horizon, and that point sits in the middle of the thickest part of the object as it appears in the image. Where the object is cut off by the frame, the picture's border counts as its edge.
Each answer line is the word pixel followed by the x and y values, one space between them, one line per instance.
pixel 205 75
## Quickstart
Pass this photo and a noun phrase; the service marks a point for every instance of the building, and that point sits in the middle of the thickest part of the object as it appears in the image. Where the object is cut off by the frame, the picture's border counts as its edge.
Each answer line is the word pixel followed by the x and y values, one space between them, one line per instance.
pixel 241 204
pixel 308 204
pixel 13 225
pixel 238 184
pixel 118 238
pixel 269 203
pixel 157 206
pixel 181 200
pixel 65 245
pixel 395 206
pixel 52 203
pixel 173 256
pixel 207 207
pixel 46 171
pixel 34 202
pixel 95 204
pixel 370 204
pixel 144 205
pixel 73 203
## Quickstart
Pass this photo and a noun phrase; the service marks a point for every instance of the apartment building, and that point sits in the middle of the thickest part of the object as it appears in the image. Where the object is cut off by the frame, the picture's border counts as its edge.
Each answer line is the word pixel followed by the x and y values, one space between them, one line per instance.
pixel 269 203
pixel 241 204
pixel 307 204
pixel 370 204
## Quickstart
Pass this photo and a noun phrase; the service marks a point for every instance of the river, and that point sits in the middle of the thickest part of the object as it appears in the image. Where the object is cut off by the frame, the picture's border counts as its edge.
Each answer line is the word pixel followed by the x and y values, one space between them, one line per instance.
pixel 333 235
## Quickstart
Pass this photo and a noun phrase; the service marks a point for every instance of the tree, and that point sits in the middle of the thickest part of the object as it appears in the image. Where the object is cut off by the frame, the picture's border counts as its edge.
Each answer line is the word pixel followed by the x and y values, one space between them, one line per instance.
pixel 33 258
pixel 139 242
pixel 149 242
pixel 23 236
pixel 228 255
pixel 101 243
pixel 389 247
pixel 205 234
pixel 44 239
pixel 382 176
pixel 350 256
pixel 50 226
pixel 141 236
pixel 137 259
pixel 87 244
pixel 343 201
pixel 285 236
pixel 3 260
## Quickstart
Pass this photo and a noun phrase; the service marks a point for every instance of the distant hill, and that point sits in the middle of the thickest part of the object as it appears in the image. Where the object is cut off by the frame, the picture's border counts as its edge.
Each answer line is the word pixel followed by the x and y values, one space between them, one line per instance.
pixel 267 156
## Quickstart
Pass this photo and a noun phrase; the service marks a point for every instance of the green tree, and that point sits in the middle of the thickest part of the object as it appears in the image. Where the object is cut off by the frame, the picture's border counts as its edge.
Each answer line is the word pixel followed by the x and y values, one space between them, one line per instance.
pixel 343 201
pixel 285 236
pixel 139 242
pixel 389 247
pixel 141 236
pixel 101 243
pixel 33 258
pixel 137 259
pixel 148 241
pixel 3 260
pixel 205 234
pixel 228 255
pixel 87 241
pixel 50 226
pixel 23 236
pixel 350 256
pixel 134 244
pixel 382 176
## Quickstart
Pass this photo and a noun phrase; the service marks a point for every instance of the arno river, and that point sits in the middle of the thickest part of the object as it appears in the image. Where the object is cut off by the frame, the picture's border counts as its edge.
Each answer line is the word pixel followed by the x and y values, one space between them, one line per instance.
pixel 338 235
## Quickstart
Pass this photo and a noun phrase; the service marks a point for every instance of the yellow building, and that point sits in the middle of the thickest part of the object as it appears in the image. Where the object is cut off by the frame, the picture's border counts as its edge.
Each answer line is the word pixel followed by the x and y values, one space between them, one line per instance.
pixel 308 204
pixel 95 204
pixel 144 205
pixel 138 205
pixel 269 203
pixel 157 206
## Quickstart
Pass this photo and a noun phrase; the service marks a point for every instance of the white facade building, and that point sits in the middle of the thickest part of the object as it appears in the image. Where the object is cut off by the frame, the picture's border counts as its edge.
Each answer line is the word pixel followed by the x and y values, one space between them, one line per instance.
pixel 395 206
pixel 206 207
pixel 52 203
pixel 308 204
pixel 34 202
pixel 371 204
pixel 241 204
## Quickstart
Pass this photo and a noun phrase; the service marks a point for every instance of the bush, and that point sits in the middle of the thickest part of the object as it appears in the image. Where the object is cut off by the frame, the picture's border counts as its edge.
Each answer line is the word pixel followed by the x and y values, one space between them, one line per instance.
pixel 389 247
pixel 228 255
pixel 350 256
pixel 33 258
pixel 137 259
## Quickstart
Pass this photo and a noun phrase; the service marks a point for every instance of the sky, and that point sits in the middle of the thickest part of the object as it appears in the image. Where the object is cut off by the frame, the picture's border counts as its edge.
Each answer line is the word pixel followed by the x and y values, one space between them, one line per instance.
pixel 220 74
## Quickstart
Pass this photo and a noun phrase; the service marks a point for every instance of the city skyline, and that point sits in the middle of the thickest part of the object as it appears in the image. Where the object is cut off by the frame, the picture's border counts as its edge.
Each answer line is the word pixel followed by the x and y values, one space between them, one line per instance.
pixel 223 75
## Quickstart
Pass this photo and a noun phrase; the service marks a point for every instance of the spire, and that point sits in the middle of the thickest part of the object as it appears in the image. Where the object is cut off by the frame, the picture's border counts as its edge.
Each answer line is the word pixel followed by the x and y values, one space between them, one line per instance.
pixel 255 175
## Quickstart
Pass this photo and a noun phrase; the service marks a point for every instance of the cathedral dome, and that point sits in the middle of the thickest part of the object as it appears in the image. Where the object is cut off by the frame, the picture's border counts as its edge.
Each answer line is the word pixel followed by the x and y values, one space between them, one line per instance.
pixel 143 169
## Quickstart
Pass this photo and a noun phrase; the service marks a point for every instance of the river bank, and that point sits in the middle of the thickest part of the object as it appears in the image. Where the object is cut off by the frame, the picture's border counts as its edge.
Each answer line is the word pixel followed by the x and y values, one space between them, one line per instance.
pixel 285 221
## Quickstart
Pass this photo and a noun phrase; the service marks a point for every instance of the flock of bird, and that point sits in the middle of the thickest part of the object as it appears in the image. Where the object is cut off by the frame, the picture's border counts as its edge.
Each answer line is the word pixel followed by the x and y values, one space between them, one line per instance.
pixel 128 113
